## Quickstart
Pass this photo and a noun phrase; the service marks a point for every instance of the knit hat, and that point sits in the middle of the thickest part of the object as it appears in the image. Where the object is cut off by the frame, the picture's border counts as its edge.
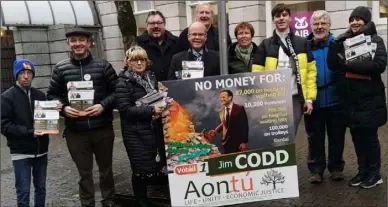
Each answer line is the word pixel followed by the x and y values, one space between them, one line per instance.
pixel 362 12
pixel 20 65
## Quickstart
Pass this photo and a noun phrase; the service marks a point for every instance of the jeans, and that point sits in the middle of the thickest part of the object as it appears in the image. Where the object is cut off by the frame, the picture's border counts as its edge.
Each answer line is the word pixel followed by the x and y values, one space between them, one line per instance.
pixel 82 146
pixel 322 120
pixel 22 170
pixel 367 146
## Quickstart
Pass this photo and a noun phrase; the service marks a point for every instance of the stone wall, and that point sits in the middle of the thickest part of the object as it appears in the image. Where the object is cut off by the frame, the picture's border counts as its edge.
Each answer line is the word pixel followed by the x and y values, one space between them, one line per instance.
pixel 33 44
pixel 175 13
pixel 111 34
pixel 248 11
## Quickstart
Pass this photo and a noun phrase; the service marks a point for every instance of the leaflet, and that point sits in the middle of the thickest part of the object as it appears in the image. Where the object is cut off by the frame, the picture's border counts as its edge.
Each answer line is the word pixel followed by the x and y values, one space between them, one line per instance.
pixel 46 117
pixel 192 69
pixel 81 95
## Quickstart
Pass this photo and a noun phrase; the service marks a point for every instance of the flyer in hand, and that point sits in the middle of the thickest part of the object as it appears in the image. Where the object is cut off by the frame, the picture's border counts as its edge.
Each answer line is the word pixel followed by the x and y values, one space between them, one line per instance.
pixel 46 117
pixel 359 48
pixel 191 69
pixel 230 139
pixel 80 95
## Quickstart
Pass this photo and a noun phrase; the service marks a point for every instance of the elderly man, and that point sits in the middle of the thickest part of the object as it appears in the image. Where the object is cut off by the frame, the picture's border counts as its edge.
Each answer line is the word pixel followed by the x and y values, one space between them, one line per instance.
pixel 327 113
pixel 197 52
pixel 158 43
pixel 204 14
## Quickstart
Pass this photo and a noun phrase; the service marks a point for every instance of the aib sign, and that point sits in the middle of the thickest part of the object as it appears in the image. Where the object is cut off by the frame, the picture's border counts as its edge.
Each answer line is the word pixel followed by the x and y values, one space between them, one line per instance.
pixel 300 23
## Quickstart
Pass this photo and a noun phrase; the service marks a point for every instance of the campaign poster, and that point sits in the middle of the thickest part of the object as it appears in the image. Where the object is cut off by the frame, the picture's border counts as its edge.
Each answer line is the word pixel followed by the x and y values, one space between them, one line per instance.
pixel 230 139
pixel 300 23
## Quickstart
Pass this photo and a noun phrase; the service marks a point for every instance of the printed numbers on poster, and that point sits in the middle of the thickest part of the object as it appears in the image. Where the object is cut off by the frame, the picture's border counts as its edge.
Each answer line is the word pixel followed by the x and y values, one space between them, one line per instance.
pixel 203 168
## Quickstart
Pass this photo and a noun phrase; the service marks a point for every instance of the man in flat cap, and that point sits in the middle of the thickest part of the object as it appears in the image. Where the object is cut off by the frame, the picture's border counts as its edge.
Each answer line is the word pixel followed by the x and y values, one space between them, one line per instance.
pixel 90 132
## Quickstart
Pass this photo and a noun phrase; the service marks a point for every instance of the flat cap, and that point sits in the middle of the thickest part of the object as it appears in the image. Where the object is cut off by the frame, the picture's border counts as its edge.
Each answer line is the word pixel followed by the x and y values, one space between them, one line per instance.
pixel 77 31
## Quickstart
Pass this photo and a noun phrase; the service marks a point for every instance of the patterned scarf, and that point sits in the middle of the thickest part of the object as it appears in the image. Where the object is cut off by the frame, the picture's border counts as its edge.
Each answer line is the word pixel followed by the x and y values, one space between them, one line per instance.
pixel 143 81
pixel 244 54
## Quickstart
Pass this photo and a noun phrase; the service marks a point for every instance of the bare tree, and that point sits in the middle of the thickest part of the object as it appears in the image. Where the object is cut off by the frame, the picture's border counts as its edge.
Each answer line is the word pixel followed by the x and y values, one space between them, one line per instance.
pixel 272 177
pixel 127 23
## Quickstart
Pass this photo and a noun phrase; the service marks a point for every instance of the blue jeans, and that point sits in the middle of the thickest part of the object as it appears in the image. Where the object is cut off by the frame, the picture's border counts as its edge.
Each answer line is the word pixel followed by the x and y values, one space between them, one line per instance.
pixel 22 169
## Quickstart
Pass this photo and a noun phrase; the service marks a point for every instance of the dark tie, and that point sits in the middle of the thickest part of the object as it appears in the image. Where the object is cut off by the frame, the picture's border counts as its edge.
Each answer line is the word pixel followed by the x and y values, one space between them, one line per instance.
pixel 227 117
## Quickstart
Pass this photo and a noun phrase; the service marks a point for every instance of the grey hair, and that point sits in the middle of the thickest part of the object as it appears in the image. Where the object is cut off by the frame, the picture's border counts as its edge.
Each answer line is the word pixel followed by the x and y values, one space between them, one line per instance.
pixel 320 14
pixel 204 4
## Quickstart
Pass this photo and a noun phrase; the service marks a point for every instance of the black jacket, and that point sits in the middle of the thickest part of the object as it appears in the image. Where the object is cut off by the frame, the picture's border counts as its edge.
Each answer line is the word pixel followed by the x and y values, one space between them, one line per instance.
pixel 17 122
pixel 364 100
pixel 142 136
pixel 212 41
pixel 159 55
pixel 104 81
pixel 236 65
pixel 210 58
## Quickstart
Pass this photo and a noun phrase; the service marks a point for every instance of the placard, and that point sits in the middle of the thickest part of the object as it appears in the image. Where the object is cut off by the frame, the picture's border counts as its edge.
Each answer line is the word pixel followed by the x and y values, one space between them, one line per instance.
pixel 216 157
pixel 80 95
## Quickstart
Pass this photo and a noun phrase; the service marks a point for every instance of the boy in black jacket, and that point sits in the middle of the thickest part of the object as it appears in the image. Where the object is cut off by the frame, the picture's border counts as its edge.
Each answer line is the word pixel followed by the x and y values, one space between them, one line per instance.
pixel 28 146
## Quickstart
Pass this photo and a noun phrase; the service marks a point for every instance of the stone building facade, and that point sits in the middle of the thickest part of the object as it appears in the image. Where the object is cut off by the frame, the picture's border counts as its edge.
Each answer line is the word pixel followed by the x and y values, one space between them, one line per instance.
pixel 45 45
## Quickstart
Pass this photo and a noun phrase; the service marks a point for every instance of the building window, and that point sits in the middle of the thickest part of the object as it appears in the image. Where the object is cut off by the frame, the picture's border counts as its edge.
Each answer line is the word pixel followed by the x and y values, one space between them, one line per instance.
pixel 190 9
pixel 301 12
pixel 141 7
pixel 383 9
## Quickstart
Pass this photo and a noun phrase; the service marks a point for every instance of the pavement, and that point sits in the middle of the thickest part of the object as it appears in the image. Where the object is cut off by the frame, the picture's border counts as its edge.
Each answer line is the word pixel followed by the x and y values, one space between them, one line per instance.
pixel 62 177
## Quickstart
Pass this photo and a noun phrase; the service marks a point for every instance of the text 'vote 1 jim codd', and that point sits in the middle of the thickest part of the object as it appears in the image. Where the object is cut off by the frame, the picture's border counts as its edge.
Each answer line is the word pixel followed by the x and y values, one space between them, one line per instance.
pixel 230 139
pixel 253 160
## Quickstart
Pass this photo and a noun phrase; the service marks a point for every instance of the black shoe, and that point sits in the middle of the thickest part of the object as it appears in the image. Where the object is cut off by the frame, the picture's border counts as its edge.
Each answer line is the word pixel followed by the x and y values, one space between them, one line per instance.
pixel 356 181
pixel 371 181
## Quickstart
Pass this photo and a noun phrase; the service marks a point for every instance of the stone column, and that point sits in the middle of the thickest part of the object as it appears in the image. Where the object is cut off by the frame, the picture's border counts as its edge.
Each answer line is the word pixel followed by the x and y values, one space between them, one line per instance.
pixel 111 34
pixel 248 11
pixel 175 13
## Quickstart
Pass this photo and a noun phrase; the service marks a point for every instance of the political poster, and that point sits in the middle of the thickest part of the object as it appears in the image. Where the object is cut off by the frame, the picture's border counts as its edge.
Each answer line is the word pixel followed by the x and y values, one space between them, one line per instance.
pixel 230 139
pixel 300 23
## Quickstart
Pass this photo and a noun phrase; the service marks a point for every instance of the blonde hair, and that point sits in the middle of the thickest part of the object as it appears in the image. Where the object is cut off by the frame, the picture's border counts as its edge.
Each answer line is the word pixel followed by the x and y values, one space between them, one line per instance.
pixel 136 52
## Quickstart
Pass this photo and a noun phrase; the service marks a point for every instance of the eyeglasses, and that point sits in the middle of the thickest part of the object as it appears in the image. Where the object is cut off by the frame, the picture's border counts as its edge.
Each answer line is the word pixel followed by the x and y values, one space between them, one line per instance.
pixel 323 24
pixel 142 60
pixel 197 35
pixel 153 24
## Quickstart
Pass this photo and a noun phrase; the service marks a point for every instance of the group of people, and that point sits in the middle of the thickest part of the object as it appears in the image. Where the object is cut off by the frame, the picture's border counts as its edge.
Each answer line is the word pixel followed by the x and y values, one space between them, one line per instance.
pixel 322 92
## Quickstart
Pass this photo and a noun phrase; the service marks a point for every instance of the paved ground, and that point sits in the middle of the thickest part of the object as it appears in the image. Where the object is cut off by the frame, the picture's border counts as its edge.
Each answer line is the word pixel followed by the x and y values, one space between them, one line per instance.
pixel 62 187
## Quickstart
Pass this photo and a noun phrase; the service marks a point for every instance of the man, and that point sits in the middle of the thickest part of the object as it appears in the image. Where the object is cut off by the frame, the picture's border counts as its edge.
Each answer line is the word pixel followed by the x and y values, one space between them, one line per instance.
pixel 93 133
pixel 28 147
pixel 158 43
pixel 327 109
pixel 274 54
pixel 204 14
pixel 234 124
pixel 198 52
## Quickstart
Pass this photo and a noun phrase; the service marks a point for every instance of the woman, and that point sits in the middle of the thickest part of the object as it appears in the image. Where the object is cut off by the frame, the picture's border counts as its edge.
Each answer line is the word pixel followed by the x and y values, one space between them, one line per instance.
pixel 140 125
pixel 362 93
pixel 241 52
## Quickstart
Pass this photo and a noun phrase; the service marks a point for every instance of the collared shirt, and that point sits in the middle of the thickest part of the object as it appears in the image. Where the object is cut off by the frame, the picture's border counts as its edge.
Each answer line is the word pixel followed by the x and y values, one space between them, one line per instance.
pixel 229 109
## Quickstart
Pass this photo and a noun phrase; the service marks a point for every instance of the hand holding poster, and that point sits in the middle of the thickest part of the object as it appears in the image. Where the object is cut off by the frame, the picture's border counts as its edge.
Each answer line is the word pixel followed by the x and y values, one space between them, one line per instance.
pixel 230 139
pixel 46 117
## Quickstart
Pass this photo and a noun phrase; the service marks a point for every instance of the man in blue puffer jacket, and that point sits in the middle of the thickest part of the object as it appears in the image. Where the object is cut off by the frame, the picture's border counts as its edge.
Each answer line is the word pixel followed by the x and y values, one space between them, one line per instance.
pixel 328 112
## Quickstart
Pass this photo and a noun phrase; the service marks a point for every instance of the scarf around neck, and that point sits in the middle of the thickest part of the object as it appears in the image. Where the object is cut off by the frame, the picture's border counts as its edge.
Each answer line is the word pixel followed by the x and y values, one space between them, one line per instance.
pixel 244 54
pixel 143 81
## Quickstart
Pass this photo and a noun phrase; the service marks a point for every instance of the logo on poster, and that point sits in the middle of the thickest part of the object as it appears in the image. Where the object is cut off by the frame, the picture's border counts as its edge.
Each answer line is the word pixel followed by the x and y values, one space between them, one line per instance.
pixel 300 23
pixel 272 177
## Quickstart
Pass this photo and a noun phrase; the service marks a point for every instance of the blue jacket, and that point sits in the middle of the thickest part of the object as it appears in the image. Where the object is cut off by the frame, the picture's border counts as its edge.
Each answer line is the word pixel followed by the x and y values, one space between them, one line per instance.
pixel 327 93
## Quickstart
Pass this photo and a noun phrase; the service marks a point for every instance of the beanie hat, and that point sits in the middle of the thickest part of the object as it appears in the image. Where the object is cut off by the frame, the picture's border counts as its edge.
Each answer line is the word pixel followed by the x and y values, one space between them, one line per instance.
pixel 362 12
pixel 22 64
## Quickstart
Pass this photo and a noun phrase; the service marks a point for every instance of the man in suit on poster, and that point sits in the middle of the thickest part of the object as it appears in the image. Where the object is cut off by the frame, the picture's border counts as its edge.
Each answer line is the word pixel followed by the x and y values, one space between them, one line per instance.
pixel 234 124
